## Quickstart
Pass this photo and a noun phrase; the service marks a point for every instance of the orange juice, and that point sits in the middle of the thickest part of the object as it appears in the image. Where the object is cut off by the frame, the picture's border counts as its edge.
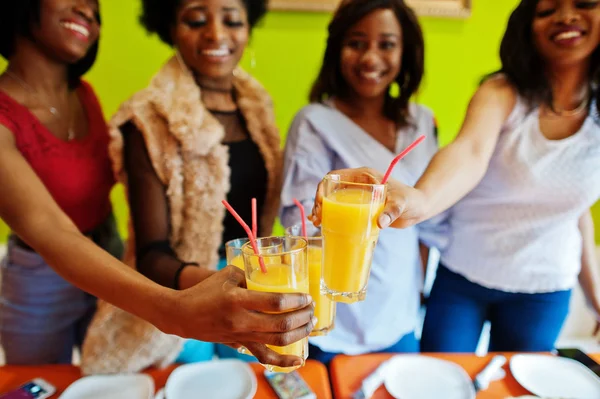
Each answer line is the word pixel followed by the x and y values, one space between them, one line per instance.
pixel 238 261
pixel 350 233
pixel 281 279
pixel 324 307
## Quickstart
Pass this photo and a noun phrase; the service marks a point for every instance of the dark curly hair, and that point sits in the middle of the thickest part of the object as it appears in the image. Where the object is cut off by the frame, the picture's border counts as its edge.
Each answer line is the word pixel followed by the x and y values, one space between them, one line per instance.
pixel 17 18
pixel 158 16
pixel 331 82
pixel 522 63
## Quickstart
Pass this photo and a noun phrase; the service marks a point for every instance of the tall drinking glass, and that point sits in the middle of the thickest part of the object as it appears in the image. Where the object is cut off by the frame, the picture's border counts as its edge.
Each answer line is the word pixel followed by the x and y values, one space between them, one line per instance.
pixel 351 207
pixel 324 307
pixel 287 272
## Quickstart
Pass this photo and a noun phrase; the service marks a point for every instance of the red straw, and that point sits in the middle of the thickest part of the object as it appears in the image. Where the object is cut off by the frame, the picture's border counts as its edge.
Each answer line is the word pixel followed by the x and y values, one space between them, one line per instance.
pixel 254 221
pixel 237 217
pixel 303 216
pixel 400 156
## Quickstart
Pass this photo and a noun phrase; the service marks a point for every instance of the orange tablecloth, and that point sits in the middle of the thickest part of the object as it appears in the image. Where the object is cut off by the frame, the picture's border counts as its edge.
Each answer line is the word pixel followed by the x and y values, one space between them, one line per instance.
pixel 347 373
pixel 61 377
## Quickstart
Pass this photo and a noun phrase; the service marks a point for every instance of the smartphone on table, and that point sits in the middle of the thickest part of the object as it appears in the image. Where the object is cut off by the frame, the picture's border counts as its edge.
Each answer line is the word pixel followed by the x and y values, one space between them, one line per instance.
pixel 581 357
pixel 34 389
pixel 289 385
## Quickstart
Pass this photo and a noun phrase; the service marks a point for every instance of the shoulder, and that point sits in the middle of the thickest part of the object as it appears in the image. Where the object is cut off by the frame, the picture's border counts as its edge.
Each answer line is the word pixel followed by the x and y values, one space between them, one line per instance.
pixel 306 128
pixel 497 90
pixel 314 112
pixel 138 103
pixel 423 120
pixel 14 116
pixel 420 113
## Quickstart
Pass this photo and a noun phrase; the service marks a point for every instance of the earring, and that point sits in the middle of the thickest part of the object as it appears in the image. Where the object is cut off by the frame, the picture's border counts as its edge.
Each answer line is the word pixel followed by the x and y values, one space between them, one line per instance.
pixel 252 58
pixel 394 90
pixel 182 64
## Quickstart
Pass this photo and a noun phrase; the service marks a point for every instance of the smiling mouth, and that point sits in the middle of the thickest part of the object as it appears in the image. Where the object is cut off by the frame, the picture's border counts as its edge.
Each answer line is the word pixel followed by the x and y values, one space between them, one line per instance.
pixel 220 52
pixel 371 76
pixel 567 36
pixel 82 30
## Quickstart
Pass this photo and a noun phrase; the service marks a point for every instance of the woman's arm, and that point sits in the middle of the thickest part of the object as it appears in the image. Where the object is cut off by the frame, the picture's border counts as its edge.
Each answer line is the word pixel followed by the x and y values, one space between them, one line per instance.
pixel 218 309
pixel 589 277
pixel 149 210
pixel 456 169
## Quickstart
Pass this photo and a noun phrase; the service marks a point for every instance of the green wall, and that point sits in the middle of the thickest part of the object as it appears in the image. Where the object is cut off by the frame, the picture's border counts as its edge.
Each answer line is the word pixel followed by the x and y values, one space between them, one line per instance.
pixel 287 50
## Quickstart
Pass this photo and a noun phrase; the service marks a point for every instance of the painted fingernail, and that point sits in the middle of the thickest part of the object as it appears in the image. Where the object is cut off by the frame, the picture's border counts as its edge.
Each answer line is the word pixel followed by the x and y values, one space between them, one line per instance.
pixel 314 320
pixel 385 220
pixel 310 299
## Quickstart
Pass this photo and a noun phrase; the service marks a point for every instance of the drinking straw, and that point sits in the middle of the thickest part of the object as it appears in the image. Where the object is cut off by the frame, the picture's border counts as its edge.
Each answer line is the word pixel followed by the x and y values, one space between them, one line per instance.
pixel 251 237
pixel 404 153
pixel 254 221
pixel 302 216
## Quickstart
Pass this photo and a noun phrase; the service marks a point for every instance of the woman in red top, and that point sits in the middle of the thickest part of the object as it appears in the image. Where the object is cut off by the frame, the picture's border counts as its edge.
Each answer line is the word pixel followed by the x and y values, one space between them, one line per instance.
pixel 56 178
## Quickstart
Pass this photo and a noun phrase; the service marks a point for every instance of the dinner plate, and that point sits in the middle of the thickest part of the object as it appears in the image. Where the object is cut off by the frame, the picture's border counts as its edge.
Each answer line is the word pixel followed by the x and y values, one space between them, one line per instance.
pixel 223 379
pixel 424 377
pixel 134 386
pixel 555 377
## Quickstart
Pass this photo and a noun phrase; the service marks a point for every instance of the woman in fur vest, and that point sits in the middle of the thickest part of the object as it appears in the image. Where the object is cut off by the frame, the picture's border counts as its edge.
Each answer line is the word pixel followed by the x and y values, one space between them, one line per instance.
pixel 203 131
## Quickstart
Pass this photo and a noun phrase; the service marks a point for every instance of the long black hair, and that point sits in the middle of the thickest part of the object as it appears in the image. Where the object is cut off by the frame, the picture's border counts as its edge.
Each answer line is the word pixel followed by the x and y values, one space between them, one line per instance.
pixel 523 65
pixel 16 19
pixel 330 81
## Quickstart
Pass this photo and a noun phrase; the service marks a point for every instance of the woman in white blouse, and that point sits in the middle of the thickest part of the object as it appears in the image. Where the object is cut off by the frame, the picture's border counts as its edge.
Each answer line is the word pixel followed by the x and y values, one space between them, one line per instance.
pixel 522 175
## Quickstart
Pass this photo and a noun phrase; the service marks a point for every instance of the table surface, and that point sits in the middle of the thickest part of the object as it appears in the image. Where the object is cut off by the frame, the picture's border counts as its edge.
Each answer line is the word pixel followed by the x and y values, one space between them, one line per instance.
pixel 347 373
pixel 11 377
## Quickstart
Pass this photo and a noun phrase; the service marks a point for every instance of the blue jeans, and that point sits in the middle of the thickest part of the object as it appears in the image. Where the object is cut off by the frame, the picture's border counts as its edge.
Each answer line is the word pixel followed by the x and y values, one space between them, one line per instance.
pixel 406 344
pixel 42 316
pixel 457 309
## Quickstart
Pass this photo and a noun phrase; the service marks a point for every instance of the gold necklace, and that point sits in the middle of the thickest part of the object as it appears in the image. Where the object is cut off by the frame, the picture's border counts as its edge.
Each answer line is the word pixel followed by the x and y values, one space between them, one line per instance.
pixel 572 112
pixel 53 110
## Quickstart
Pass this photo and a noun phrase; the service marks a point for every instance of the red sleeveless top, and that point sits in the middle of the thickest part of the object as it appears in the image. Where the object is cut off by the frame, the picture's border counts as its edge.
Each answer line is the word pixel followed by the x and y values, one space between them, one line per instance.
pixel 77 173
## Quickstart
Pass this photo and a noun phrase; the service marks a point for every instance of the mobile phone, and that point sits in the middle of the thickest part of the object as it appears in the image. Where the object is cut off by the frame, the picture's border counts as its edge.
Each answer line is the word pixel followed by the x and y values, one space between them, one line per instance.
pixel 34 389
pixel 581 357
pixel 289 385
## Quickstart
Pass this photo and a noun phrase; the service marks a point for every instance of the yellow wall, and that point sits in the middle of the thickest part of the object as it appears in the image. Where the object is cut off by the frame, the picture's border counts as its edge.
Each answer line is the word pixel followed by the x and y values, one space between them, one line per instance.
pixel 287 51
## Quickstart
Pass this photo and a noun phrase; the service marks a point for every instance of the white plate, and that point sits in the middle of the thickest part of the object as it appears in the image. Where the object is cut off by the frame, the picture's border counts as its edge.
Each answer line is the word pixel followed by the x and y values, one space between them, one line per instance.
pixel 423 377
pixel 556 377
pixel 134 386
pixel 223 379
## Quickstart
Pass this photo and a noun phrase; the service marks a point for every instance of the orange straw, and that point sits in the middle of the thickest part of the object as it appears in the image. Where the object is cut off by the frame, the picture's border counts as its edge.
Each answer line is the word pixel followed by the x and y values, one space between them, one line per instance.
pixel 302 216
pixel 251 237
pixel 400 156
pixel 254 221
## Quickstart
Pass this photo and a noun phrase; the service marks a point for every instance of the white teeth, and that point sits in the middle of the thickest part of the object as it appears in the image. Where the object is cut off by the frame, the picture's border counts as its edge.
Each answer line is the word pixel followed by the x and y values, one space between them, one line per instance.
pixel 222 52
pixel 370 75
pixel 77 28
pixel 567 35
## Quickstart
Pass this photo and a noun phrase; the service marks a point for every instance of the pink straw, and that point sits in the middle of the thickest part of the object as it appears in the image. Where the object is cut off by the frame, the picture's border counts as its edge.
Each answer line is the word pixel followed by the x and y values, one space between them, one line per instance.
pixel 302 216
pixel 254 221
pixel 400 156
pixel 251 237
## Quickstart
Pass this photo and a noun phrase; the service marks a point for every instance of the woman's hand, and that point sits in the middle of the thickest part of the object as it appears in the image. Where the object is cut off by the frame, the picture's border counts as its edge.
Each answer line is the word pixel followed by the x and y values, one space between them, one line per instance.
pixel 404 205
pixel 220 309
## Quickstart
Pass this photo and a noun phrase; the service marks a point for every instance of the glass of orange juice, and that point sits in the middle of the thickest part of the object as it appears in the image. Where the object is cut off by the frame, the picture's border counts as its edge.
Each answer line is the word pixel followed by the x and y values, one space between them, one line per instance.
pixel 287 272
pixel 351 207
pixel 233 252
pixel 324 307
